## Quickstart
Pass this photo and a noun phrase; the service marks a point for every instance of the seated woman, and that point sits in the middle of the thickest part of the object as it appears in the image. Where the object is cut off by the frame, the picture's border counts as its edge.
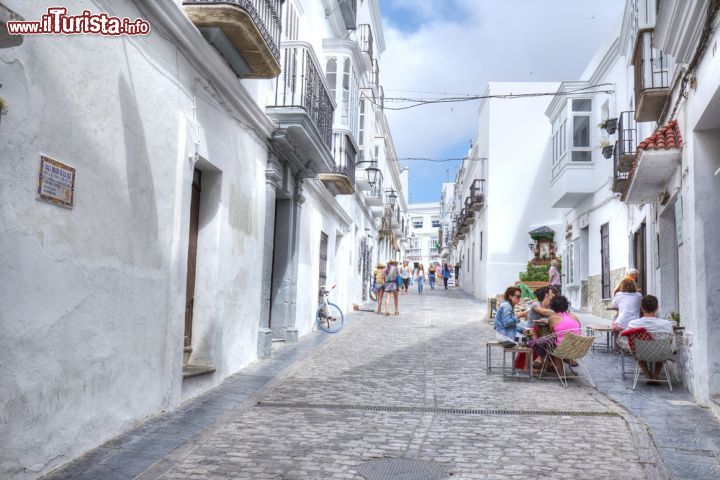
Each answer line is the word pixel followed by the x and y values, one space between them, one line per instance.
pixel 507 324
pixel 627 301
pixel 561 323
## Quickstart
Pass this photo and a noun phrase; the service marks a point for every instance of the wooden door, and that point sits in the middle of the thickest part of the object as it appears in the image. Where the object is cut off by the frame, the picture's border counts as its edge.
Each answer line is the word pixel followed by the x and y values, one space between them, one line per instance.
pixel 639 254
pixel 192 257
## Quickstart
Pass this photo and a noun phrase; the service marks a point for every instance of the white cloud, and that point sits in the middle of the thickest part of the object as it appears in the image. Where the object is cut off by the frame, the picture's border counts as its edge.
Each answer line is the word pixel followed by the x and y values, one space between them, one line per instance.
pixel 496 40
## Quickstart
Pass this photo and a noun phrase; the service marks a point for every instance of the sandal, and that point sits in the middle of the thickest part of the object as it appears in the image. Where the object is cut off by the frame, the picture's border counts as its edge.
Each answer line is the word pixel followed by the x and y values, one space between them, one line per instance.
pixel 387 314
pixel 397 313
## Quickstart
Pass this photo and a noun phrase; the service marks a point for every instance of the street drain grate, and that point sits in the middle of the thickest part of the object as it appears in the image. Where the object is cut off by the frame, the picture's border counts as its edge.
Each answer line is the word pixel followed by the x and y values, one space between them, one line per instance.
pixel 400 469
pixel 447 411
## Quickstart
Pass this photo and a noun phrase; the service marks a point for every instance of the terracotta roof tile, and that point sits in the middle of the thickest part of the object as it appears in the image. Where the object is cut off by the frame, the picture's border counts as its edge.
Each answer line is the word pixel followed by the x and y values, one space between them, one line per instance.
pixel 664 138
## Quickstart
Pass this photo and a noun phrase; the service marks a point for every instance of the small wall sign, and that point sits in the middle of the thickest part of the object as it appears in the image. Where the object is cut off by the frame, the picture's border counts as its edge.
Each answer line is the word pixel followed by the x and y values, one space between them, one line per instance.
pixel 56 182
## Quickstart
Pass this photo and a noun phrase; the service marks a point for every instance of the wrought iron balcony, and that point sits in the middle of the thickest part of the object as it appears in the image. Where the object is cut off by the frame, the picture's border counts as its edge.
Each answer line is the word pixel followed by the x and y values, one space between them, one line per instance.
pixel 303 107
pixel 477 195
pixel 365 39
pixel 468 216
pixel 375 73
pixel 624 152
pixel 245 32
pixel 341 180
pixel 652 79
pixel 348 9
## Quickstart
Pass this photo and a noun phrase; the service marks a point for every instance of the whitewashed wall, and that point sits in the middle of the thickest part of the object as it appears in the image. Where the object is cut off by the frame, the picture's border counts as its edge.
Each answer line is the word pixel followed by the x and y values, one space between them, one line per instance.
pixel 93 297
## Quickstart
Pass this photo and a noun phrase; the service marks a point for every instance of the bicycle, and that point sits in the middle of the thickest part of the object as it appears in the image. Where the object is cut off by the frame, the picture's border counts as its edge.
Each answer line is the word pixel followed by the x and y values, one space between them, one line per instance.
pixel 373 291
pixel 330 318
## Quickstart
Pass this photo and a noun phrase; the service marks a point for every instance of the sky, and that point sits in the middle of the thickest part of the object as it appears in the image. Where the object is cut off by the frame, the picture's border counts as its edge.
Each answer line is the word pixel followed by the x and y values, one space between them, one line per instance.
pixel 456 47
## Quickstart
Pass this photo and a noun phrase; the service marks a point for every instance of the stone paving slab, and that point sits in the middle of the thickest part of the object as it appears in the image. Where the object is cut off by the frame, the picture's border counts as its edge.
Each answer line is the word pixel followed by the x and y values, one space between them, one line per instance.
pixel 432 356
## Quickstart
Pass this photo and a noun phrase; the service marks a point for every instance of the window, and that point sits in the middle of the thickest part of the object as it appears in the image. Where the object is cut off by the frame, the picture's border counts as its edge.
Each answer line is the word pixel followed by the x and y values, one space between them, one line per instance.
pixel 581 151
pixel 345 105
pixel 605 259
pixel 570 265
pixel 331 74
pixel 417 222
pixel 361 125
pixel 435 222
pixel 323 258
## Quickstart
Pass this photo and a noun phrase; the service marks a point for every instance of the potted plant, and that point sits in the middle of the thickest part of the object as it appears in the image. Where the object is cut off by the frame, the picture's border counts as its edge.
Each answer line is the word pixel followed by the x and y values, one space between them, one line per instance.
pixel 607 148
pixel 674 317
pixel 609 124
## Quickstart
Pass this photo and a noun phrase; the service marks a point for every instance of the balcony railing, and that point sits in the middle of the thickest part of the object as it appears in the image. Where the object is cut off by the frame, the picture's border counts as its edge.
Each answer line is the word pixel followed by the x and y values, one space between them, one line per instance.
pixel 375 73
pixel 341 180
pixel 376 191
pixel 302 84
pixel 348 9
pixel 624 152
pixel 366 40
pixel 240 21
pixel 652 79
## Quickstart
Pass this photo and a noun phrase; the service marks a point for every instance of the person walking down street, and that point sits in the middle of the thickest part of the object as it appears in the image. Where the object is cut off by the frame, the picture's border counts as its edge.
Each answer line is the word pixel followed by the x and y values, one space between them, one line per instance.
pixel 554 276
pixel 391 286
pixel 420 278
pixel 379 274
pixel 438 272
pixel 405 275
pixel 431 276
pixel 446 275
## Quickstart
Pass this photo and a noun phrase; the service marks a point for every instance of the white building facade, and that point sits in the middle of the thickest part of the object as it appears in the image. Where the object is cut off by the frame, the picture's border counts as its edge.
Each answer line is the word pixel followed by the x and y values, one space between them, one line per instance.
pixel 501 190
pixel 425 232
pixel 166 220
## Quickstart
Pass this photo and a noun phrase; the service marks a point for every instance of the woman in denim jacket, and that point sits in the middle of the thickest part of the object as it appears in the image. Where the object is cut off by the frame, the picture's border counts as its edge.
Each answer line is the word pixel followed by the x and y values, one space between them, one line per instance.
pixel 507 324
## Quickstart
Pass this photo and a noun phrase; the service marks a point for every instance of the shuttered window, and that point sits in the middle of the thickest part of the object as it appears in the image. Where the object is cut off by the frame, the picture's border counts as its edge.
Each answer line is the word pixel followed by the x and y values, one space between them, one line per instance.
pixel 605 259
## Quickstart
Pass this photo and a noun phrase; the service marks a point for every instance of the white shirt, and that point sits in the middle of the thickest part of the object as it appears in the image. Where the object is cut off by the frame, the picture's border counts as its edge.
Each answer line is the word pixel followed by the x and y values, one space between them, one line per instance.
pixel 628 305
pixel 652 324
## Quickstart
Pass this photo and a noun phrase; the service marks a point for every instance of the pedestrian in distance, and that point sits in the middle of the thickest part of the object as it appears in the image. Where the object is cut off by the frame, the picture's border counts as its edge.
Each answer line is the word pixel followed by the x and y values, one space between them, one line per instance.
pixel 446 275
pixel 379 274
pixel 405 275
pixel 554 276
pixel 420 278
pixel 391 286
pixel 438 271
pixel 431 276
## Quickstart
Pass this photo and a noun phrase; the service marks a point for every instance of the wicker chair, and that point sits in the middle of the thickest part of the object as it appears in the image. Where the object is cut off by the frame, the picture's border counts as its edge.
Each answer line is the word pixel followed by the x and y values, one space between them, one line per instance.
pixel 660 348
pixel 573 347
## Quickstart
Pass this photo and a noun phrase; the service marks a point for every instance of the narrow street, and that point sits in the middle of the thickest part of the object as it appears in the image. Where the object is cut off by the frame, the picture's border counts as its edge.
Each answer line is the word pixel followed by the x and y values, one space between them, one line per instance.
pixel 411 387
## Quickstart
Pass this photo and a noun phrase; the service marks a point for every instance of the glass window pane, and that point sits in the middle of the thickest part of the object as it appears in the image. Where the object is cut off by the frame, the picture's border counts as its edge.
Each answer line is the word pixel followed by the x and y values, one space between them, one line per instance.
pixel 581 156
pixel 331 73
pixel 581 131
pixel 582 105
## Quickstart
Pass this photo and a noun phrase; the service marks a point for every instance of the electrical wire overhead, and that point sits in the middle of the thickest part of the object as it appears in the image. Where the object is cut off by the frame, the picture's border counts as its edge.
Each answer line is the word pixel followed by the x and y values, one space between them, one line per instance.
pixel 419 102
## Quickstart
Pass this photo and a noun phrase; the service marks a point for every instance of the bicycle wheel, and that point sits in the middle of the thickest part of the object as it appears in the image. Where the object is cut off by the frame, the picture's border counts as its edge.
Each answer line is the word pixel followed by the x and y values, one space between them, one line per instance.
pixel 330 318
pixel 373 294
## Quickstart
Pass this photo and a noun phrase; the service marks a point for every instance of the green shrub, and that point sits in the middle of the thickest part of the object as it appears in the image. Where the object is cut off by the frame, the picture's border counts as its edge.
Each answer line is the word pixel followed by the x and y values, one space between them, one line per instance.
pixel 538 273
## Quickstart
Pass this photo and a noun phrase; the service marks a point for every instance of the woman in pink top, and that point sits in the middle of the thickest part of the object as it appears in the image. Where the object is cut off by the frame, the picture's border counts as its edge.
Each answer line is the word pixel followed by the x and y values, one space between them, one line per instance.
pixel 563 322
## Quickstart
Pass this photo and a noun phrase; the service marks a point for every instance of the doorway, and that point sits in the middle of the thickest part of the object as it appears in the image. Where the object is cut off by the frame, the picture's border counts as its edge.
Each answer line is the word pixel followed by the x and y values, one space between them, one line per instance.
pixel 192 260
pixel 640 258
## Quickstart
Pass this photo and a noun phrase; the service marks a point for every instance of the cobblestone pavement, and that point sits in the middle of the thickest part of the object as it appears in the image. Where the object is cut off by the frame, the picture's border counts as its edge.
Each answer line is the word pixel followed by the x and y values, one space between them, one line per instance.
pixel 687 436
pixel 412 386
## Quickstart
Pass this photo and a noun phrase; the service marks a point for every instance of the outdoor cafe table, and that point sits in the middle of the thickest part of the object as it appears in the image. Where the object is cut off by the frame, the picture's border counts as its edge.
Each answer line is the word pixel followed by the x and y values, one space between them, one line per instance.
pixel 598 330
pixel 513 372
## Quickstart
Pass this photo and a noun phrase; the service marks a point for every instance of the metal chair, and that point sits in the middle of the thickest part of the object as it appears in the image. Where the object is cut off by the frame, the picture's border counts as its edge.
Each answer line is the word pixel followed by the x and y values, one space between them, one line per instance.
pixel 659 349
pixel 572 348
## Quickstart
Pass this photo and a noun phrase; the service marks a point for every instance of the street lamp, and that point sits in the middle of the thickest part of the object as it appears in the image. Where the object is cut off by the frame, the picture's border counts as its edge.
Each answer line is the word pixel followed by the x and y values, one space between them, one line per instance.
pixel 372 173
pixel 532 247
pixel 392 197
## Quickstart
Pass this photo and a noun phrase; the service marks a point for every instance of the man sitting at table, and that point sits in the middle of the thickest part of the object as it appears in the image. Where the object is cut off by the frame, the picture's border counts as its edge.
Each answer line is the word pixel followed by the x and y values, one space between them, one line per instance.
pixel 651 324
